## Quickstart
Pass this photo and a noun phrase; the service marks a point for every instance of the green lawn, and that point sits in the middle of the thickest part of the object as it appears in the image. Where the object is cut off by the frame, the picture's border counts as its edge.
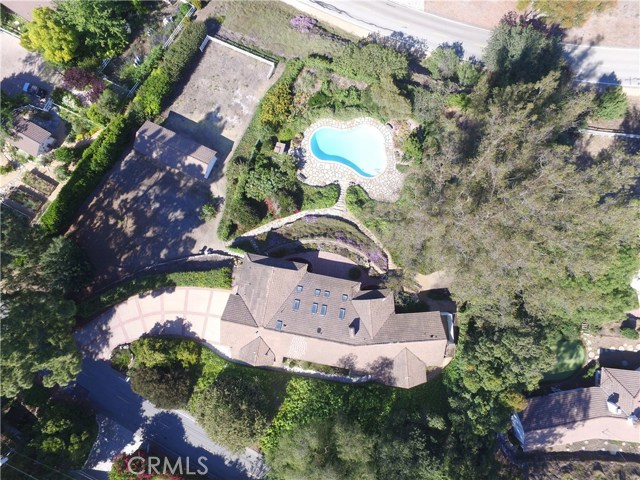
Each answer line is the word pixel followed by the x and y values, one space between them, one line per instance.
pixel 570 357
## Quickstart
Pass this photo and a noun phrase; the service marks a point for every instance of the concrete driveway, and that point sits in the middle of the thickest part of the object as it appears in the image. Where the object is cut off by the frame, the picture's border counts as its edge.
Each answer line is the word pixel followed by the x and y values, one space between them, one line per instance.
pixel 18 66
pixel 188 312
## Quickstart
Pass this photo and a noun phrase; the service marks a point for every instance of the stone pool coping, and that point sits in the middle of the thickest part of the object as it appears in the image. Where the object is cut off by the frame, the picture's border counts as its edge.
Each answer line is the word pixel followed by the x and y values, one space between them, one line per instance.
pixel 385 186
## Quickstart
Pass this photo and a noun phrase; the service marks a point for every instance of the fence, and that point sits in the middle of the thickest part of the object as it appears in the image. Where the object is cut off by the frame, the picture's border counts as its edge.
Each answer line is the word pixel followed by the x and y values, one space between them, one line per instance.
pixel 240 49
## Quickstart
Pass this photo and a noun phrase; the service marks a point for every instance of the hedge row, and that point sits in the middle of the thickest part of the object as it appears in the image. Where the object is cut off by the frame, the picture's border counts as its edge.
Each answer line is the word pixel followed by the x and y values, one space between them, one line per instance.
pixel 98 159
pixel 148 101
pixel 215 278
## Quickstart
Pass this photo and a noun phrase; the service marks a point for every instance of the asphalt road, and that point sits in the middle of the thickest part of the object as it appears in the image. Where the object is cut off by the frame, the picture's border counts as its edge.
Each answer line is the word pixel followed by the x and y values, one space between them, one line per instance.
pixel 592 64
pixel 173 432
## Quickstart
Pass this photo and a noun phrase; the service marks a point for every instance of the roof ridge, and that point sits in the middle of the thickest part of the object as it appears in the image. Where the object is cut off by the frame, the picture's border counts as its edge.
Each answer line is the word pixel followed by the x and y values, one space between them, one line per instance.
pixel 623 385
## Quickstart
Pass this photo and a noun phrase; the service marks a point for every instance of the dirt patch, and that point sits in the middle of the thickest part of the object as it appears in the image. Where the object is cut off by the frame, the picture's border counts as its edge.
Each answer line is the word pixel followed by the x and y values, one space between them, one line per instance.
pixel 144 213
pixel 618 26
pixel 216 102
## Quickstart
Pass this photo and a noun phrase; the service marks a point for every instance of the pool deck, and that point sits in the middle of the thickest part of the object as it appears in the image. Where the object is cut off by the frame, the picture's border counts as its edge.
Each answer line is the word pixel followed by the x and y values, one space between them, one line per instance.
pixel 385 186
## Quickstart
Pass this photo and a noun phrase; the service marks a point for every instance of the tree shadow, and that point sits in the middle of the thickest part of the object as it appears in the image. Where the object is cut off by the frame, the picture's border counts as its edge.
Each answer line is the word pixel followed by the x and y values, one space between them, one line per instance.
pixel 382 370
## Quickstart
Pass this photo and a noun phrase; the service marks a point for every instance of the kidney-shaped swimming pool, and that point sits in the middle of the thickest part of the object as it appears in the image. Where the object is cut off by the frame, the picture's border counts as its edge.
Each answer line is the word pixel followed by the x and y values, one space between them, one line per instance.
pixel 360 148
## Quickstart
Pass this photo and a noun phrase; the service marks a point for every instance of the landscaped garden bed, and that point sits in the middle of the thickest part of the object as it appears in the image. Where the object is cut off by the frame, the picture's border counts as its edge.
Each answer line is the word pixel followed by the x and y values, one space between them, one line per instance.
pixel 332 233
pixel 37 181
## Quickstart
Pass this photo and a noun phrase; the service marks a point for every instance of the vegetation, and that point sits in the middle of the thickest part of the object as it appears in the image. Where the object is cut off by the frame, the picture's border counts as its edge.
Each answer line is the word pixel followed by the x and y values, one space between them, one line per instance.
pixel 570 356
pixel 216 278
pixel 568 13
pixel 78 32
pixel 630 333
pixel 36 341
pixel 611 104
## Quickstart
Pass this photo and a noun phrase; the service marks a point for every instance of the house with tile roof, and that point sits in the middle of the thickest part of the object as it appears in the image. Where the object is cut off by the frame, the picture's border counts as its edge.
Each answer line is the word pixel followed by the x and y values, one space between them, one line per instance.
pixel 280 310
pixel 30 138
pixel 174 150
pixel 608 411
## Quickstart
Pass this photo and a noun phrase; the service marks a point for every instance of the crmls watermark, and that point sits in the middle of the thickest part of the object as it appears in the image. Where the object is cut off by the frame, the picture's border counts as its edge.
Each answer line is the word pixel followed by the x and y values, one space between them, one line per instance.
pixel 163 466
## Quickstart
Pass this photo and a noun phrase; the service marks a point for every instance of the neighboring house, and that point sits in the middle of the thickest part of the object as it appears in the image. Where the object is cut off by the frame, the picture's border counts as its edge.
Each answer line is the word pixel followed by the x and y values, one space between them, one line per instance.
pixel 608 411
pixel 30 138
pixel 279 310
pixel 175 150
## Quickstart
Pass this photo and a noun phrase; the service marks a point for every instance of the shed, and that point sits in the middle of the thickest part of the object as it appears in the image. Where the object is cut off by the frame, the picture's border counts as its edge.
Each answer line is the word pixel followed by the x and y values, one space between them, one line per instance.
pixel 30 138
pixel 175 150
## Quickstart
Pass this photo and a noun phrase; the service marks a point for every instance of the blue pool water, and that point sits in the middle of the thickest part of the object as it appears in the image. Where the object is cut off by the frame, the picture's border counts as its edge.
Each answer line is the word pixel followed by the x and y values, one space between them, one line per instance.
pixel 360 148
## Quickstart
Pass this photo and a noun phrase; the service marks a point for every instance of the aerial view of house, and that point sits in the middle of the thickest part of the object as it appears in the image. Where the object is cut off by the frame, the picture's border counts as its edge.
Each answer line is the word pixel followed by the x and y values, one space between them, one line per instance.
pixel 609 412
pixel 304 240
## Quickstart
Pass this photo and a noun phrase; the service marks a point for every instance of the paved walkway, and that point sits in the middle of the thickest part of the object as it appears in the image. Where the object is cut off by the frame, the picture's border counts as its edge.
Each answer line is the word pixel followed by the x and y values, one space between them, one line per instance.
pixel 189 312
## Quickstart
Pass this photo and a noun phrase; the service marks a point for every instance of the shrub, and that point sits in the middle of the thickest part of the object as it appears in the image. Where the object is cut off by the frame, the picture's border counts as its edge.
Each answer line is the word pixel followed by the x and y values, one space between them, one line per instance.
pixel 179 54
pixel 372 62
pixel 631 333
pixel 209 212
pixel 303 24
pixel 66 155
pixel 151 93
pixel 96 161
pixel 611 104
pixel 165 387
pixel 391 103
pixel 443 63
pixel 276 106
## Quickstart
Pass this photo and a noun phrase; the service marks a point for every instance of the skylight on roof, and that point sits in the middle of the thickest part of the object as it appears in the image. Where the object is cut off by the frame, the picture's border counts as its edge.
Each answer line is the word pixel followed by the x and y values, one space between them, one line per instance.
pixel 327 293
pixel 299 288
pixel 296 304
pixel 342 313
pixel 345 297
pixel 314 308
pixel 317 292
pixel 278 324
pixel 323 310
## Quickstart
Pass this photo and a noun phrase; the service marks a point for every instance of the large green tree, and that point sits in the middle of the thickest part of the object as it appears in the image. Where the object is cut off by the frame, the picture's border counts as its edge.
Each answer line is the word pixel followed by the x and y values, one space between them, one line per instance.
pixel 36 340
pixel 48 34
pixel 521 49
pixel 64 265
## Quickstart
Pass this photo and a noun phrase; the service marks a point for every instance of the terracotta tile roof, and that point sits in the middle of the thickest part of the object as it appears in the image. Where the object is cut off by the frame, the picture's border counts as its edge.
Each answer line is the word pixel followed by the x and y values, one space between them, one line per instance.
pixel 622 387
pixel 408 370
pixel 407 327
pixel 257 353
pixel 28 136
pixel 564 408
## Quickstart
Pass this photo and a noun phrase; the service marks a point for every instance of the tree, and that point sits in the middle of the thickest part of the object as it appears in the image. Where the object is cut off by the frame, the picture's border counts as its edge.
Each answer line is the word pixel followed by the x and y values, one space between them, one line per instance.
pixel 153 352
pixel 267 179
pixel 443 63
pixel 100 25
pixel 372 62
pixel 36 339
pixel 611 104
pixel 49 35
pixel 63 437
pixel 391 103
pixel 149 98
pixel 64 265
pixel 521 50
pixel 167 387
pixel 235 410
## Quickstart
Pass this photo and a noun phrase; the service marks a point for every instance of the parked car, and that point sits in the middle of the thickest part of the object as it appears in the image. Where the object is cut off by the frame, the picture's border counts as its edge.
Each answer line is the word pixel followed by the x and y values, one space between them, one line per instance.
pixel 34 90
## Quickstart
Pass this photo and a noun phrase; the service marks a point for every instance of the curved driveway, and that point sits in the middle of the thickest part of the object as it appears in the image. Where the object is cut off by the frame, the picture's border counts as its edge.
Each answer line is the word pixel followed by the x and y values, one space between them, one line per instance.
pixel 184 311
pixel 592 64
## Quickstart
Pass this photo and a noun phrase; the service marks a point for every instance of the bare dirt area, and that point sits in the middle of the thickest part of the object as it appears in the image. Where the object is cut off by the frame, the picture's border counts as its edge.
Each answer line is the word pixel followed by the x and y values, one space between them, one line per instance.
pixel 144 213
pixel 215 104
pixel 618 26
